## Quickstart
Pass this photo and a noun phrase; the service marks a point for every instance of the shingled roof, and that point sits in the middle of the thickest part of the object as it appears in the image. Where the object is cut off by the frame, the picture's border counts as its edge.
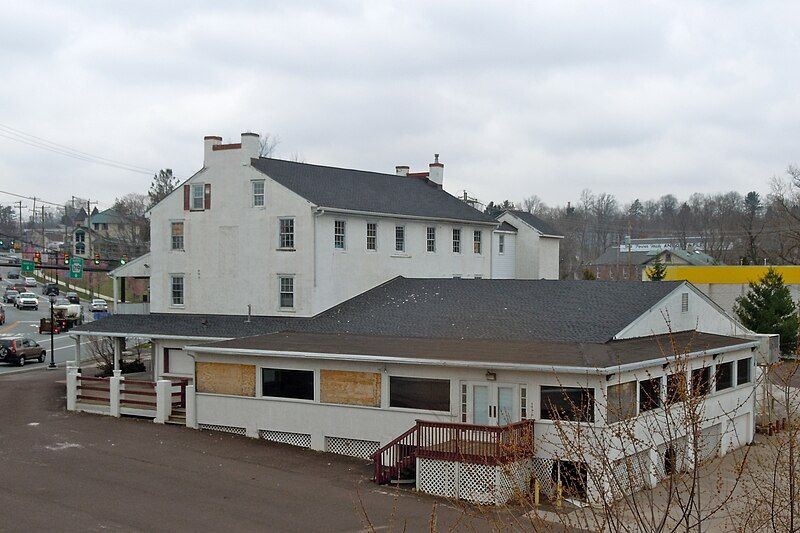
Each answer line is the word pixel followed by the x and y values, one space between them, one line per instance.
pixel 545 228
pixel 544 310
pixel 371 192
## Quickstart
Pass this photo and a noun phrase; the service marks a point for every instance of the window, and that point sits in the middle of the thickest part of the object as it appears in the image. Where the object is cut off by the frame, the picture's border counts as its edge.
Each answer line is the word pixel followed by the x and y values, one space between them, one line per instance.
pixel 400 238
pixel 523 403
pixel 649 394
pixel 372 236
pixel 177 236
pixel 286 292
pixel 80 248
pixel 701 381
pixel 476 241
pixel 743 370
pixel 724 376
pixel 478 276
pixel 464 402
pixel 501 244
pixel 621 402
pixel 198 198
pixel 431 239
pixel 338 234
pixel 567 403
pixel 286 233
pixel 456 241
pixel 282 383
pixel 676 388
pixel 176 284
pixel 80 236
pixel 419 393
pixel 105 226
pixel 684 302
pixel 96 226
pixel 258 193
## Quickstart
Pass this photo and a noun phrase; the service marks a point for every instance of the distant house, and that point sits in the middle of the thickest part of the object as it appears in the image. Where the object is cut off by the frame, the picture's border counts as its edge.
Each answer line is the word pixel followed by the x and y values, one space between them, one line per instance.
pixel 534 244
pixel 108 234
pixel 619 263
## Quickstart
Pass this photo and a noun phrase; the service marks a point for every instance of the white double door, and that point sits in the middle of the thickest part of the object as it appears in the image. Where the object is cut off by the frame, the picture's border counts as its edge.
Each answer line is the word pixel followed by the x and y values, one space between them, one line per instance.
pixel 492 403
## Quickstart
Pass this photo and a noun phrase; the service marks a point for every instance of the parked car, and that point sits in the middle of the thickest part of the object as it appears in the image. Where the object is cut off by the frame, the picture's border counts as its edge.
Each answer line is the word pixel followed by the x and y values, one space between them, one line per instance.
pixel 73 298
pixel 98 304
pixel 51 289
pixel 13 274
pixel 18 351
pixel 2 315
pixel 27 300
pixel 30 282
pixel 10 295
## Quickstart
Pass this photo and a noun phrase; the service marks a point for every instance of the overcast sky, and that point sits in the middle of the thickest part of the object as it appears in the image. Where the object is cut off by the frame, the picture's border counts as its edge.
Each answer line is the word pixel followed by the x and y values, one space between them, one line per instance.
pixel 637 99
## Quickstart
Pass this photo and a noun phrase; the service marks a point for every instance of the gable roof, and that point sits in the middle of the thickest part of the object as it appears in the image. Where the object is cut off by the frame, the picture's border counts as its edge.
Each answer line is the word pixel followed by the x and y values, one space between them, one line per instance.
pixel 545 310
pixel 545 228
pixel 108 216
pixel 694 257
pixel 371 192
pixel 505 226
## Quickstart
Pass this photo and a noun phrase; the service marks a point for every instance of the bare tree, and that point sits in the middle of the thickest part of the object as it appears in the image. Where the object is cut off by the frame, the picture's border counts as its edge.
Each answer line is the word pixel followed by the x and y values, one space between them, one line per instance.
pixel 269 144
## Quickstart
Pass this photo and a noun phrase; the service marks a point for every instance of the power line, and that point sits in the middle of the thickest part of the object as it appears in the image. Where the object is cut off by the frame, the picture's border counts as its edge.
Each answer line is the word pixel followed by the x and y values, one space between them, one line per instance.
pixel 20 136
pixel 32 198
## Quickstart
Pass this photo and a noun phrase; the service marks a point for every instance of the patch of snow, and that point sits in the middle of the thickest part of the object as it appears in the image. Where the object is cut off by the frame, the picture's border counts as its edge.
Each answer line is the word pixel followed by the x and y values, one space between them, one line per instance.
pixel 33 423
pixel 58 446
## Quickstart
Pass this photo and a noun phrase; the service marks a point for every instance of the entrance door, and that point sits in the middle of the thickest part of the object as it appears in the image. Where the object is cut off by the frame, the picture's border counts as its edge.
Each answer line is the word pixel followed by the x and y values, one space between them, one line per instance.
pixel 492 404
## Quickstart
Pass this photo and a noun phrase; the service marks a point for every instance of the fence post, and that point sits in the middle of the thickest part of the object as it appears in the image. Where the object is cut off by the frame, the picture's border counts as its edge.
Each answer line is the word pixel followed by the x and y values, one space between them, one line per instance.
pixel 191 407
pixel 163 400
pixel 114 388
pixel 72 388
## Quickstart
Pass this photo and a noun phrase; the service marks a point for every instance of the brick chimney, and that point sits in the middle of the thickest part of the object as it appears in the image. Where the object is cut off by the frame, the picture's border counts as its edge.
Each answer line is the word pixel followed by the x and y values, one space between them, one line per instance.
pixel 209 142
pixel 401 170
pixel 436 172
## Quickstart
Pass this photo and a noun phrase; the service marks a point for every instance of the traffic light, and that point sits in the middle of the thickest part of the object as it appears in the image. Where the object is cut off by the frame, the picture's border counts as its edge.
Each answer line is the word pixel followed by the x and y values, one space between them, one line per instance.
pixel 66 258
pixel 123 259
pixel 37 257
pixel 96 259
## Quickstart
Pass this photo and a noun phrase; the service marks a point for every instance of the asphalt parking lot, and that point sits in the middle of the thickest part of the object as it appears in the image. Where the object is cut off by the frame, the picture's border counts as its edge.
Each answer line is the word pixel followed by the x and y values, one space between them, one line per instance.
pixel 64 471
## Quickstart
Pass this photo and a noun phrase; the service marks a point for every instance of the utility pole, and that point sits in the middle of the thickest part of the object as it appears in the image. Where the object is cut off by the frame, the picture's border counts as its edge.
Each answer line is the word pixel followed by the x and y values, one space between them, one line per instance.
pixel 19 204
pixel 44 240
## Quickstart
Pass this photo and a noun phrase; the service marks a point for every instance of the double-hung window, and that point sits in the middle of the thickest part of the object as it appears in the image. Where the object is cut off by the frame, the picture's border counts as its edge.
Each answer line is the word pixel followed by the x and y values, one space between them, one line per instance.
pixel 338 234
pixel 400 238
pixel 286 298
pixel 176 289
pixel 431 240
pixel 456 240
pixel 372 236
pixel 286 233
pixel 177 236
pixel 476 241
pixel 501 244
pixel 198 196
pixel 258 193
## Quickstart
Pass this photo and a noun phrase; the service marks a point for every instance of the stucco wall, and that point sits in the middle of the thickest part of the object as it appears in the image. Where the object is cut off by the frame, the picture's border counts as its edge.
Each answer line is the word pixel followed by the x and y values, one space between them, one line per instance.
pixel 504 266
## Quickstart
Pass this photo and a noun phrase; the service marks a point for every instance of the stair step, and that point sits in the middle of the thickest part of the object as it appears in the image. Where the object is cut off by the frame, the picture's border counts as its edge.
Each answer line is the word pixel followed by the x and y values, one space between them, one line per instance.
pixel 402 481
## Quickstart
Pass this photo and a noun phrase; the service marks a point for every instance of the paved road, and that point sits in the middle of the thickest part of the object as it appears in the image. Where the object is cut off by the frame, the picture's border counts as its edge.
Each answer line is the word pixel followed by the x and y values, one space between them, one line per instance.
pixel 64 471
pixel 25 323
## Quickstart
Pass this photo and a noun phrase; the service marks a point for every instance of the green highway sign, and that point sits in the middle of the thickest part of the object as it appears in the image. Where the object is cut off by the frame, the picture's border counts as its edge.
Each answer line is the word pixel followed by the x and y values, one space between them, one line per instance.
pixel 76 268
pixel 26 266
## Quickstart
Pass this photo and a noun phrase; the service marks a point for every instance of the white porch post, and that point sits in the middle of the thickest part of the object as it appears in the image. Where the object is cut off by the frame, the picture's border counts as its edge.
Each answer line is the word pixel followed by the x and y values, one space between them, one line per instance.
pixel 117 356
pixel 115 291
pixel 72 388
pixel 163 401
pixel 114 387
pixel 191 407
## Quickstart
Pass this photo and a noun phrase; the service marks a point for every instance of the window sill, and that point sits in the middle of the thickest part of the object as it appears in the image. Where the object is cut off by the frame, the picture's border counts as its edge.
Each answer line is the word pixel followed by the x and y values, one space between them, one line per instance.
pixel 285 249
pixel 196 210
pixel 177 250
pixel 177 306
pixel 401 255
pixel 287 310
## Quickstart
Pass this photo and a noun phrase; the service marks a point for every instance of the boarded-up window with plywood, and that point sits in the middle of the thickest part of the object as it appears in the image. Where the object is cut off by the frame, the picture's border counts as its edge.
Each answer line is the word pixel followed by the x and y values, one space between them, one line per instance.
pixel 350 388
pixel 226 378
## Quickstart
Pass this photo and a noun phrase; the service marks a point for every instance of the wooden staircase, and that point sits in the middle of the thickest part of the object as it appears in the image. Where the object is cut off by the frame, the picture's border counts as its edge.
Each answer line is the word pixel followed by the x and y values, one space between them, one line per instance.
pixel 178 416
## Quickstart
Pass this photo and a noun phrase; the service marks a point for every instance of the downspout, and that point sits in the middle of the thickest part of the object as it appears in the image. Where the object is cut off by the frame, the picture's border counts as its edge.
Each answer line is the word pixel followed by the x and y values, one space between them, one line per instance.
pixel 319 212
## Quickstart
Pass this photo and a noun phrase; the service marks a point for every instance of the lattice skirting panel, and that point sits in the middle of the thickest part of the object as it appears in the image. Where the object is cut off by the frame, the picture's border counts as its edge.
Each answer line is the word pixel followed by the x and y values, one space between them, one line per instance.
pixel 437 477
pixel 680 448
pixel 224 429
pixel 362 449
pixel 303 440
pixel 476 483
pixel 542 470
pixel 631 474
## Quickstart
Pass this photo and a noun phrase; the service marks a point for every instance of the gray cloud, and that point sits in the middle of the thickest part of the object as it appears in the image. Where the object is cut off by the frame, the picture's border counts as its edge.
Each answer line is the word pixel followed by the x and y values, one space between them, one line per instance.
pixel 637 99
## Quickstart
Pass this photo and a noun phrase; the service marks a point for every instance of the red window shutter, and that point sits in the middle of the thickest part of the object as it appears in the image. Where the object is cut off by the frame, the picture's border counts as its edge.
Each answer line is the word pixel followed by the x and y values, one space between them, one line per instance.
pixel 207 196
pixel 186 197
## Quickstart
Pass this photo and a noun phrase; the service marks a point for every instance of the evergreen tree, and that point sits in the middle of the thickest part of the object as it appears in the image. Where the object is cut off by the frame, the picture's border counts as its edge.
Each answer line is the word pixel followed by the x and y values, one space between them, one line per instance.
pixel 163 184
pixel 658 271
pixel 768 308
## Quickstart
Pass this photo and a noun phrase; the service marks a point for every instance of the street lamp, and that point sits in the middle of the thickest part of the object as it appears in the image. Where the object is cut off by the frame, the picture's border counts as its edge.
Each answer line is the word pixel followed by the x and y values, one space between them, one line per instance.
pixel 52 364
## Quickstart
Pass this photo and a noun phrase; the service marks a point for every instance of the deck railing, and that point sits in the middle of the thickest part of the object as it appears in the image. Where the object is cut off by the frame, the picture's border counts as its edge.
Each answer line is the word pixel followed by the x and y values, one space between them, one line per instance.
pixel 448 441
pixel 93 386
